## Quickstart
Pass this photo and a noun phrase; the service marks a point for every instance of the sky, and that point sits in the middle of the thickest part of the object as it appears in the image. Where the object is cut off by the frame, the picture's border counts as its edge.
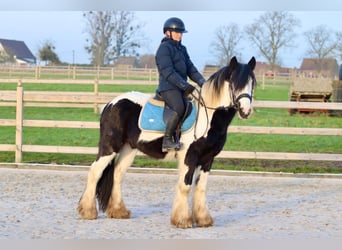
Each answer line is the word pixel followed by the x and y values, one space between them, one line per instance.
pixel 66 29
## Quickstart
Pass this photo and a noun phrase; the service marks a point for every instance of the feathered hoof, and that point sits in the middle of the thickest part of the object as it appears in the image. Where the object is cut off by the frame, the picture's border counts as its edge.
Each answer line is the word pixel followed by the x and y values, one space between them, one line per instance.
pixel 87 213
pixel 206 221
pixel 119 213
pixel 182 223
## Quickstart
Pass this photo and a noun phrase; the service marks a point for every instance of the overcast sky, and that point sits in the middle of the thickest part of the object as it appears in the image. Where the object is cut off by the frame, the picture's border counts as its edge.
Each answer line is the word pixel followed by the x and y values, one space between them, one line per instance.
pixel 65 29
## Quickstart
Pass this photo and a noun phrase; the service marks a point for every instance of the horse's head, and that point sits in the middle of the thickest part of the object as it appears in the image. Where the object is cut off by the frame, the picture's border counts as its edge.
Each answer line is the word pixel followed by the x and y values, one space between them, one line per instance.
pixel 242 81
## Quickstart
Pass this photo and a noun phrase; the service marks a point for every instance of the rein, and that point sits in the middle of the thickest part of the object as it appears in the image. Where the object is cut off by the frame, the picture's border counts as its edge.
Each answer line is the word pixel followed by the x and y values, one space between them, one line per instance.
pixel 200 102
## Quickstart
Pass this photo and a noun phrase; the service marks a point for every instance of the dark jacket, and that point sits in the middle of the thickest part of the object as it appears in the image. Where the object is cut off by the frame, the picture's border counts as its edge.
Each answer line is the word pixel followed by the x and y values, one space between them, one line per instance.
pixel 174 66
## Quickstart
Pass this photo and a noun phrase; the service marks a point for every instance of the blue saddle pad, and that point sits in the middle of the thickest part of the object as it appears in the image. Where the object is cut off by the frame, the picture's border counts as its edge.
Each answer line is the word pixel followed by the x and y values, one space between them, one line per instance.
pixel 151 118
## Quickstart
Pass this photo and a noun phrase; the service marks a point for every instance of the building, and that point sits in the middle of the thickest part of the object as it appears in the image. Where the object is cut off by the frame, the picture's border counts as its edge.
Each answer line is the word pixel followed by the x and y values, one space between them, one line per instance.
pixel 126 62
pixel 313 67
pixel 14 51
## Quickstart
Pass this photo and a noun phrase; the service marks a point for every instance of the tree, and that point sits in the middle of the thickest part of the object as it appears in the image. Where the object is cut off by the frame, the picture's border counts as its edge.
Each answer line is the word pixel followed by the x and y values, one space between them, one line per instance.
pixel 226 42
pixel 4 57
pixel 111 35
pixel 271 32
pixel 47 53
pixel 323 43
pixel 126 37
pixel 339 44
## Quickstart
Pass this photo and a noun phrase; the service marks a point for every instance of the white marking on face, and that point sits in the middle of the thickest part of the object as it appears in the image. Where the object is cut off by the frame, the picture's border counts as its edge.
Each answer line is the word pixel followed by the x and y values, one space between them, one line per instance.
pixel 245 103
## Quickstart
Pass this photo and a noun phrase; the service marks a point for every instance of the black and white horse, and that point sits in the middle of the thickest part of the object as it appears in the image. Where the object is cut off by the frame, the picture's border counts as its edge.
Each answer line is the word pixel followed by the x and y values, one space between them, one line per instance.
pixel 225 93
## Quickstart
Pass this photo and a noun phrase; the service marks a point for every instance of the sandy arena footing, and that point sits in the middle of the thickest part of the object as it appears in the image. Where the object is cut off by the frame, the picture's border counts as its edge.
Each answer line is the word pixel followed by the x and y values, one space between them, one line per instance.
pixel 41 204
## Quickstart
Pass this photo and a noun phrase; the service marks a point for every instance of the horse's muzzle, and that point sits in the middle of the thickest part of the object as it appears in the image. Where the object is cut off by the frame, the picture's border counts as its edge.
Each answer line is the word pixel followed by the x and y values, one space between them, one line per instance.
pixel 244 114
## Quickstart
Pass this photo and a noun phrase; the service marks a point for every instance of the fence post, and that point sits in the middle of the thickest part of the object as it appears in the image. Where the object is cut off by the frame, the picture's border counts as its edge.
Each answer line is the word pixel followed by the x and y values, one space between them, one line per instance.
pixel 19 123
pixel 74 73
pixel 96 92
pixel 36 72
pixel 98 72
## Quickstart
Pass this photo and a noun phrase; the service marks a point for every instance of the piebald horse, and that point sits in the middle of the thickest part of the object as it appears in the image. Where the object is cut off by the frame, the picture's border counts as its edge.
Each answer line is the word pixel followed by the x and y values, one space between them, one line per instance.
pixel 227 92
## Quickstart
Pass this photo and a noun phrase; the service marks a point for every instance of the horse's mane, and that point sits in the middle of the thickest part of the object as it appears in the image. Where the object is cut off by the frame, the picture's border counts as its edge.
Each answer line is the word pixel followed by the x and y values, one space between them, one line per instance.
pixel 217 79
pixel 238 77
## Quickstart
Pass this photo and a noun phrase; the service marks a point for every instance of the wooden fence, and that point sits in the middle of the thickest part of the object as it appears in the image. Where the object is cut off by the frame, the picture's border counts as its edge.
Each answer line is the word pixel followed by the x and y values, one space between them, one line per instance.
pixel 107 73
pixel 77 72
pixel 19 99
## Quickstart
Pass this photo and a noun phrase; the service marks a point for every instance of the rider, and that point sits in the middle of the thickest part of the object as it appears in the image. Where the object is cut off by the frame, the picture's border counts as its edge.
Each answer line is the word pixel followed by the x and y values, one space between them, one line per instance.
pixel 174 66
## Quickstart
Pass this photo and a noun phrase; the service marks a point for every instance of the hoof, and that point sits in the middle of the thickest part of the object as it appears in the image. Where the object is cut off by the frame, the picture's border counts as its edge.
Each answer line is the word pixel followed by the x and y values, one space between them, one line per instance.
pixel 206 221
pixel 89 213
pixel 120 212
pixel 182 223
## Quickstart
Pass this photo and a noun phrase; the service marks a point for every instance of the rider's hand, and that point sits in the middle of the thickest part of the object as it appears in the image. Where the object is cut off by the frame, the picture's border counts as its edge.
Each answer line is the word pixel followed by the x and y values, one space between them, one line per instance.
pixel 188 90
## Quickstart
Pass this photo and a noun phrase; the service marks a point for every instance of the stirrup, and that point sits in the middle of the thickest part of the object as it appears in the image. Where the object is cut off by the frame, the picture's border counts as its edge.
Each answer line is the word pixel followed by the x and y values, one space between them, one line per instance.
pixel 176 148
pixel 171 146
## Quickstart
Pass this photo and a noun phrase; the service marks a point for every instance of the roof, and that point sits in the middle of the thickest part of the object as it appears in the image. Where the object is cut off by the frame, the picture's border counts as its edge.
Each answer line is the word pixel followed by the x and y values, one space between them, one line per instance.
pixel 313 64
pixel 18 49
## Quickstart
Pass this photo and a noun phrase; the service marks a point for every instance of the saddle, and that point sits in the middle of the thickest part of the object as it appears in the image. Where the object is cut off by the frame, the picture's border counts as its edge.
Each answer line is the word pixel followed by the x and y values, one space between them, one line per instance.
pixel 155 113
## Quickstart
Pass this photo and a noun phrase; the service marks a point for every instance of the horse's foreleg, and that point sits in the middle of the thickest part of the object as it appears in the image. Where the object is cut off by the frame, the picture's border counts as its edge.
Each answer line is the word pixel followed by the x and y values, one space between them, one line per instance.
pixel 181 216
pixel 200 210
pixel 116 207
pixel 87 204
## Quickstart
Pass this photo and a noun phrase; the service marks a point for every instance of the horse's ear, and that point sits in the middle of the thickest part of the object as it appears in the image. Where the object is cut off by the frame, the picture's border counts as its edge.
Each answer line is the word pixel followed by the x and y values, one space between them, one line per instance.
pixel 233 63
pixel 252 63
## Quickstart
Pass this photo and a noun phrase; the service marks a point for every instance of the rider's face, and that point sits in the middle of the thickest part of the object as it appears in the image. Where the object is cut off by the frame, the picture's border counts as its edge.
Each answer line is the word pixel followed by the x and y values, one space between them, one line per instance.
pixel 177 36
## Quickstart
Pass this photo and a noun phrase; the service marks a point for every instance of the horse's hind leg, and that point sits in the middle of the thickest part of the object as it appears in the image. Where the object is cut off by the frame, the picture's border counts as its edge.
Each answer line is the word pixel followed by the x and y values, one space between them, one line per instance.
pixel 116 207
pixel 87 204
pixel 200 210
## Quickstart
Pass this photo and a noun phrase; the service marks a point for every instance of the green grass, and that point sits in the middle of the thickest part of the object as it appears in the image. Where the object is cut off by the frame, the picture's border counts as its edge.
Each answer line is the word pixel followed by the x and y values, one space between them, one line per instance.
pixel 280 118
pixel 238 142
pixel 79 87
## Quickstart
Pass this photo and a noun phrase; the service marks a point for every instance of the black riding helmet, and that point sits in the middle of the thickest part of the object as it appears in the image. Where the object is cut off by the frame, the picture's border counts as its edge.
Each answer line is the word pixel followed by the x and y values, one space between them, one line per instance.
pixel 174 24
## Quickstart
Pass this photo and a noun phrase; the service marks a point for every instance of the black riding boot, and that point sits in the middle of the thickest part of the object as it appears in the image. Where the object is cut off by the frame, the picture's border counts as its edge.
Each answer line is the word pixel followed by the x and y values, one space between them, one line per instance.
pixel 168 141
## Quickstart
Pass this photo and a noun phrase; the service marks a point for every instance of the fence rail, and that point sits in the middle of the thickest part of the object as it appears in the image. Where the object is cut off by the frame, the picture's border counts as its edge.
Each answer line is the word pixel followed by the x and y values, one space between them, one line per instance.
pixel 86 99
pixel 77 73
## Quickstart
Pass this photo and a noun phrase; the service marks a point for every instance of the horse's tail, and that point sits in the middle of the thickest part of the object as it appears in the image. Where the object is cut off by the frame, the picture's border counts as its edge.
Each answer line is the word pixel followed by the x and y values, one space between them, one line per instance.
pixel 105 185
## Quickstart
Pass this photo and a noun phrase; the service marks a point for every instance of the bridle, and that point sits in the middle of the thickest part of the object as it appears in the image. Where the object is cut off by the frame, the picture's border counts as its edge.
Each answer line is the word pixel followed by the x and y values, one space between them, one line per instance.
pixel 234 104
pixel 235 100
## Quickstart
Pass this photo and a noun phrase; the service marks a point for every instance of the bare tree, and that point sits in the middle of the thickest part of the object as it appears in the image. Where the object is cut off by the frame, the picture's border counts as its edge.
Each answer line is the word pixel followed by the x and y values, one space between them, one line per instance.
pixel 127 37
pixel 339 45
pixel 323 43
pixel 271 32
pixel 99 27
pixel 225 44
pixel 111 34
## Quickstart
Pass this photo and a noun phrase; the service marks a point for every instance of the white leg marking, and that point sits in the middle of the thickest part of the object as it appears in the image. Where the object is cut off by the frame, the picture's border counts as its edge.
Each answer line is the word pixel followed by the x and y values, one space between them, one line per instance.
pixel 199 205
pixel 87 205
pixel 181 216
pixel 116 207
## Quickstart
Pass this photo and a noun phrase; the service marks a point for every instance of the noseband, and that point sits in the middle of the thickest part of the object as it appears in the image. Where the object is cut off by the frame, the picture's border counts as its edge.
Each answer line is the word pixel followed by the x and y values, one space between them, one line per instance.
pixel 235 100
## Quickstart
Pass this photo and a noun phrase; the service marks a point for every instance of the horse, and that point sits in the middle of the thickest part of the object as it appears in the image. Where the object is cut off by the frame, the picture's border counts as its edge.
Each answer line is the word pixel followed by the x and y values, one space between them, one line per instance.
pixel 226 92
